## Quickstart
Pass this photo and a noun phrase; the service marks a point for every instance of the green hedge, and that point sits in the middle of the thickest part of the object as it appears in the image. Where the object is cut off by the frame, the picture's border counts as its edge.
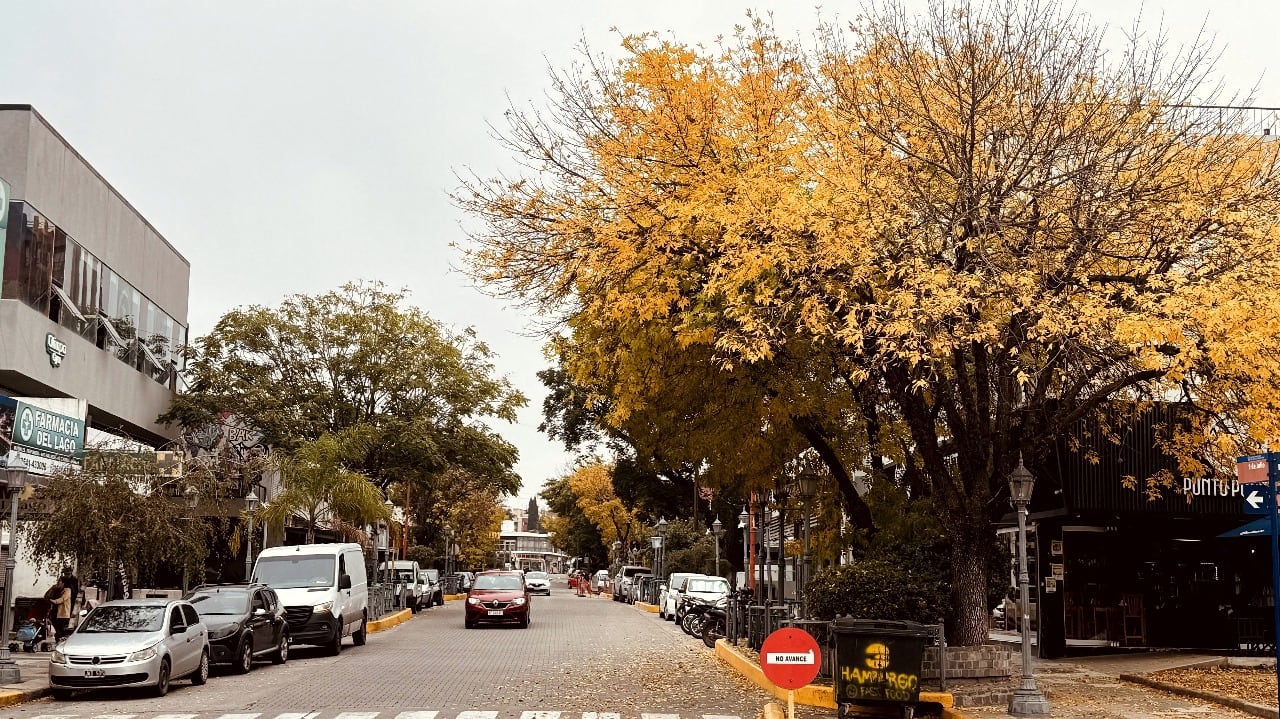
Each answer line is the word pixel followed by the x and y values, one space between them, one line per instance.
pixel 879 589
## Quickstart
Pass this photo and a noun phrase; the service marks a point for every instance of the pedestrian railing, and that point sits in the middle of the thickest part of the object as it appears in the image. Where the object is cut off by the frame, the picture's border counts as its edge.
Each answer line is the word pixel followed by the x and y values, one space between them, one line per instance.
pixel 381 601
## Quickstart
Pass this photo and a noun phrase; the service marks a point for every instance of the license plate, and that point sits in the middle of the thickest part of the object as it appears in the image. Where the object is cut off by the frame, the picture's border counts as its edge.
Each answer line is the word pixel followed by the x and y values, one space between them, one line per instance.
pixel 495 612
pixel 94 673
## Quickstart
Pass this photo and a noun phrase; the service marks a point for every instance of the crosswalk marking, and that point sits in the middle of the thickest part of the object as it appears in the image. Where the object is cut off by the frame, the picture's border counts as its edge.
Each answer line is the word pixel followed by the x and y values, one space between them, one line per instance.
pixel 601 715
pixel 540 715
pixel 183 716
pixel 417 715
pixel 477 715
pixel 659 716
pixel 255 715
pixel 304 715
pixel 355 715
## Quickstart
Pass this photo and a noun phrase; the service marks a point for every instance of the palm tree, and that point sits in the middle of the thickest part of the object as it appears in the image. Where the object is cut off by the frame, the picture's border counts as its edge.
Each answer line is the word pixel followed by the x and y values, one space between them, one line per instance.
pixel 318 487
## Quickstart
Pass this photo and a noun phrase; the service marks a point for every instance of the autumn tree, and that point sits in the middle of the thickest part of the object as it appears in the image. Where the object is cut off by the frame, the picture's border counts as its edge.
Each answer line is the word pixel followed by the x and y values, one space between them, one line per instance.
pixel 930 242
pixel 360 361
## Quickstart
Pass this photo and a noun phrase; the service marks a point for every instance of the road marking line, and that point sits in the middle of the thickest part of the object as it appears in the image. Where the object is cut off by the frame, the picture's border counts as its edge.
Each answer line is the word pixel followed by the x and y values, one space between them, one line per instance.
pixel 477 715
pixel 417 715
pixel 297 715
pixel 174 716
pixel 540 715
pixel 659 716
pixel 357 715
pixel 241 716
pixel 601 715
pixel 114 716
pixel 55 716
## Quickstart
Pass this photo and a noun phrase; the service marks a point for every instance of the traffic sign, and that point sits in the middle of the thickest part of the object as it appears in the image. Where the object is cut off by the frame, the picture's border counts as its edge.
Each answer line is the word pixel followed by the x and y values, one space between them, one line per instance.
pixel 1257 498
pixel 790 658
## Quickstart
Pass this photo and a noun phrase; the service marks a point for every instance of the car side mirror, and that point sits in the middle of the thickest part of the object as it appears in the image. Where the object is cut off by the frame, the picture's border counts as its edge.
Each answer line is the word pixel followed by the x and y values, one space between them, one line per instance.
pixel 177 628
pixel 344 582
pixel 259 612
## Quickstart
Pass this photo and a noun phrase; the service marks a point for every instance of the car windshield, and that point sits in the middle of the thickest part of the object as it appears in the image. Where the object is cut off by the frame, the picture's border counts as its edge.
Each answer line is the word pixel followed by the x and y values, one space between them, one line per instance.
pixel 292 572
pixel 124 619
pixel 536 575
pixel 432 574
pixel 222 601
pixel 404 575
pixel 707 585
pixel 498 581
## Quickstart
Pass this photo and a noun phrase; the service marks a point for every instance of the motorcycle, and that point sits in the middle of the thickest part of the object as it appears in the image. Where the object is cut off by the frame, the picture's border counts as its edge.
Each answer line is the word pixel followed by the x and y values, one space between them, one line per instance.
pixel 714 622
pixel 694 611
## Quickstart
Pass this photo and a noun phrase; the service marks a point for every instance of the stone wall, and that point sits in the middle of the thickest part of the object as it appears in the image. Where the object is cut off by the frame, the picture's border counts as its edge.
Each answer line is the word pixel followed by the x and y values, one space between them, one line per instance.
pixel 986 661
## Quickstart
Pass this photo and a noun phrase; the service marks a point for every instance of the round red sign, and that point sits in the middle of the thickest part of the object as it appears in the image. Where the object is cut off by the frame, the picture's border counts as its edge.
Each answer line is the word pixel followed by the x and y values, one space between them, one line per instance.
pixel 790 658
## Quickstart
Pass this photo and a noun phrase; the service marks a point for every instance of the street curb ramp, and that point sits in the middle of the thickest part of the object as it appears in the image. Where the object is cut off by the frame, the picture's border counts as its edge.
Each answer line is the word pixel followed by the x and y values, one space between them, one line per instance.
pixel 814 695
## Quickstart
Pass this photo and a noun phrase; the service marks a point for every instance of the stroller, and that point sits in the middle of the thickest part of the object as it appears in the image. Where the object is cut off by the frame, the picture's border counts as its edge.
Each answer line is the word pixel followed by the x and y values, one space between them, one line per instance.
pixel 35 633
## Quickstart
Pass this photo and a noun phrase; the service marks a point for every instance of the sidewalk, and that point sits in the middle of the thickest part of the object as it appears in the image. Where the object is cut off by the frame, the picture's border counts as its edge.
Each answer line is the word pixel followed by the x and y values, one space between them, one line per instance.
pixel 34 673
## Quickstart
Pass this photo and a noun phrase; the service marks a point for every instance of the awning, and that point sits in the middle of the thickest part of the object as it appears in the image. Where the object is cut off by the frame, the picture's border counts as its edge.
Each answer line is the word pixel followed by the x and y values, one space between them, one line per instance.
pixel 1256 528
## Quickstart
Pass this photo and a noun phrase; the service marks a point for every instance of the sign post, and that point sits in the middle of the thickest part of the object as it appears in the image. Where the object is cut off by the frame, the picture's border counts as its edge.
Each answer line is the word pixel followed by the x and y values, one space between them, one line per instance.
pixel 1255 469
pixel 790 659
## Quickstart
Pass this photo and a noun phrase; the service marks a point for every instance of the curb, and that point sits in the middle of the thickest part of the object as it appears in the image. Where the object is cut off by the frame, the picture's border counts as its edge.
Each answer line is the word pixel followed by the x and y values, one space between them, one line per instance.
pixel 1238 704
pixel 813 695
pixel 10 698
pixel 774 711
pixel 380 625
pixel 454 597
pixel 650 608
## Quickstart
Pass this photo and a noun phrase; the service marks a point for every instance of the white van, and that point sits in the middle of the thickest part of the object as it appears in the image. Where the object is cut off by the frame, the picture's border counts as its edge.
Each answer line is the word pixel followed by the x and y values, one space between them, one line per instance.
pixel 323 588
pixel 406 575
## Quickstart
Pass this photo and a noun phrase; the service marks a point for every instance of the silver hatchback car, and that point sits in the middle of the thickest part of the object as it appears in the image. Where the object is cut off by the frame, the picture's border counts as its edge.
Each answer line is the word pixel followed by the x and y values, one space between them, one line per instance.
pixel 132 643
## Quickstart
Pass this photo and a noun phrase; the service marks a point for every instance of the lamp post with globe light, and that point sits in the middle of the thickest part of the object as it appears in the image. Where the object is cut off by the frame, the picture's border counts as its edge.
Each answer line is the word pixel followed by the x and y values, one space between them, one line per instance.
pixel 743 518
pixel 807 488
pixel 717 529
pixel 15 472
pixel 250 506
pixel 1027 700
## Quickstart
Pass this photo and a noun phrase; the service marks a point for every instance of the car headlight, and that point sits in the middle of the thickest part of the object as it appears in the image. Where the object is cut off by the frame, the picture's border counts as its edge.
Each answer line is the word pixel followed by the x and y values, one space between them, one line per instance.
pixel 473 600
pixel 143 655
pixel 224 632
pixel 322 608
pixel 57 657
pixel 517 601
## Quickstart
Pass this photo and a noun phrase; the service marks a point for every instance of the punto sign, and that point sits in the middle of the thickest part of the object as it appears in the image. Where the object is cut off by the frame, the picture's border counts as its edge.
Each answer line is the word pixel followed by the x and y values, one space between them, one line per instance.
pixel 56 349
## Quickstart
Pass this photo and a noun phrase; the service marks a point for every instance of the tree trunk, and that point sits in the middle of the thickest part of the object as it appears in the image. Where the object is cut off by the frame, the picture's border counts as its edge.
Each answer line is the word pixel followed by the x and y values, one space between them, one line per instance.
pixel 969 562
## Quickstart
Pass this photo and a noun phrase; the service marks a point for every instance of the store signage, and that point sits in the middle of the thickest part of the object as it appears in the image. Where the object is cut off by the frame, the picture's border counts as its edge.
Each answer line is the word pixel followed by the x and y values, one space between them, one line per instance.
pixel 42 430
pixel 56 348
pixel 1251 469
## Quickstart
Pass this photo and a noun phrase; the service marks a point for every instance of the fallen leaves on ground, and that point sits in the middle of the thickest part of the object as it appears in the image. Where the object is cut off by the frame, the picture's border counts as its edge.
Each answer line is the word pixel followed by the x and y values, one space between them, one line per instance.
pixel 1252 684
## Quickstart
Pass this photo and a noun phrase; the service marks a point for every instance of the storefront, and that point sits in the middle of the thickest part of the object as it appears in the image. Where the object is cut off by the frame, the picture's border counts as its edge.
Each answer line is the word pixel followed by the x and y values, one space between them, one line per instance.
pixel 1115 567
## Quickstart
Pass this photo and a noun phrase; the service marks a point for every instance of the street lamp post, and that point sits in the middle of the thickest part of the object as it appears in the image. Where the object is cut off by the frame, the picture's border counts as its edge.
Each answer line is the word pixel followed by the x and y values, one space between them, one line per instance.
pixel 250 506
pixel 717 528
pixel 193 499
pixel 661 560
pixel 807 487
pixel 743 519
pixel 391 550
pixel 1027 700
pixel 448 551
pixel 780 497
pixel 15 471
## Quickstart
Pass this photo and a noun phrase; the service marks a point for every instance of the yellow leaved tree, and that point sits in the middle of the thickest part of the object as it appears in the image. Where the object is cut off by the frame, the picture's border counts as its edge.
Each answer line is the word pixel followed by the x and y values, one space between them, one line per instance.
pixel 938 241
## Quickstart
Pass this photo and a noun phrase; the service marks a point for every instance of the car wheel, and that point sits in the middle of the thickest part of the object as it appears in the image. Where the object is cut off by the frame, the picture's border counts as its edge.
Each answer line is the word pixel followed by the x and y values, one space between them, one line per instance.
pixel 244 655
pixel 62 695
pixel 201 674
pixel 358 638
pixel 524 622
pixel 281 654
pixel 334 648
pixel 162 679
pixel 469 624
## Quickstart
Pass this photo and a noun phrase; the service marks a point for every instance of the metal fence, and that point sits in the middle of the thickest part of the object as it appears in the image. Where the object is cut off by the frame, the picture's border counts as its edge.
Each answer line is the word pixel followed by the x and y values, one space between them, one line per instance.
pixel 381 601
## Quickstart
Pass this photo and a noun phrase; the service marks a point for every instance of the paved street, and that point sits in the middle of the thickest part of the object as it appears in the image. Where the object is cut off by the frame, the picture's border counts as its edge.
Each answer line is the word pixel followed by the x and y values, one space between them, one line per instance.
pixel 580 656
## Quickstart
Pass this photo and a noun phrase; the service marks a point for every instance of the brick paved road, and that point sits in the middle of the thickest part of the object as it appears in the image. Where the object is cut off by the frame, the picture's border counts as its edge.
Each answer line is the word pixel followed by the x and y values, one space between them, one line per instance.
pixel 579 655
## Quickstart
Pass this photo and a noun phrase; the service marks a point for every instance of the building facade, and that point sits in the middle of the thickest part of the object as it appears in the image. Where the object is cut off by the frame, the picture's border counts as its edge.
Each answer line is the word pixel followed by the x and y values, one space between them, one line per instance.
pixel 93 299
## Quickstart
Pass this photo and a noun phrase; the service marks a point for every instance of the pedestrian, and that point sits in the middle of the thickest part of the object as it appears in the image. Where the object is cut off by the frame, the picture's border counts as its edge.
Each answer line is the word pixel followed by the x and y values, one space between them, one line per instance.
pixel 60 597
pixel 73 585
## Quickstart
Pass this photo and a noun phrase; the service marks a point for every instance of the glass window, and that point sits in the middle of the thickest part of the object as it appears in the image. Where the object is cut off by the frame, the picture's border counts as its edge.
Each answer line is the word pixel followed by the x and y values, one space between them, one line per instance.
pixel 314 570
pixel 189 613
pixel 28 257
pixel 219 601
pixel 124 618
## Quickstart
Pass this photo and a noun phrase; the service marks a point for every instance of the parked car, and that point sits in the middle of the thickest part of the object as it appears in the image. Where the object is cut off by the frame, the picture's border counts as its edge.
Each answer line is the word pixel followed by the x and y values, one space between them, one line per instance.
pixel 324 589
pixel 498 596
pixel 706 589
pixel 669 600
pixel 245 621
pixel 432 587
pixel 622 580
pixel 601 580
pixel 538 582
pixel 132 643
pixel 405 574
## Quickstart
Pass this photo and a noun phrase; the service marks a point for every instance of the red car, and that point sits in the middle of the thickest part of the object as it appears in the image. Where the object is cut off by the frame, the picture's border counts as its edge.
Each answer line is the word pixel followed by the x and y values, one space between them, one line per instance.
pixel 498 597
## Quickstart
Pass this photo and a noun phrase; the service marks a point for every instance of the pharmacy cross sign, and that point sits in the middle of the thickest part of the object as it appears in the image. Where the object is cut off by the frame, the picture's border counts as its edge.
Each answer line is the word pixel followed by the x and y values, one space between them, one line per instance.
pixel 790 658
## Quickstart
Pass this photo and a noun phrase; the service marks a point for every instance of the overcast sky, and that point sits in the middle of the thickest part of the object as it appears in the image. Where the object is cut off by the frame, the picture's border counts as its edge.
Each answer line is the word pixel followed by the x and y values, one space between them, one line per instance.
pixel 289 147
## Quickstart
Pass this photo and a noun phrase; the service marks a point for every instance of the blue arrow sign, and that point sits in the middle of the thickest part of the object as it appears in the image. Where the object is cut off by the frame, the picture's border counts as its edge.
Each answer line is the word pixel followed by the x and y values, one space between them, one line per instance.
pixel 1257 498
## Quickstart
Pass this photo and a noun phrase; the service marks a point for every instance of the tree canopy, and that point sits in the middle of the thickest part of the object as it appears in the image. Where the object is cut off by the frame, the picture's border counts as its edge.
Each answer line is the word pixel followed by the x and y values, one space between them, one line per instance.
pixel 360 362
pixel 934 241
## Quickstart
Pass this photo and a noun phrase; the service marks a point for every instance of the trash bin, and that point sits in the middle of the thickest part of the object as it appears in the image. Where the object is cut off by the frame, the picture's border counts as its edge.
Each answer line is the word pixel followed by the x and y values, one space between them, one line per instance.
pixel 878 662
